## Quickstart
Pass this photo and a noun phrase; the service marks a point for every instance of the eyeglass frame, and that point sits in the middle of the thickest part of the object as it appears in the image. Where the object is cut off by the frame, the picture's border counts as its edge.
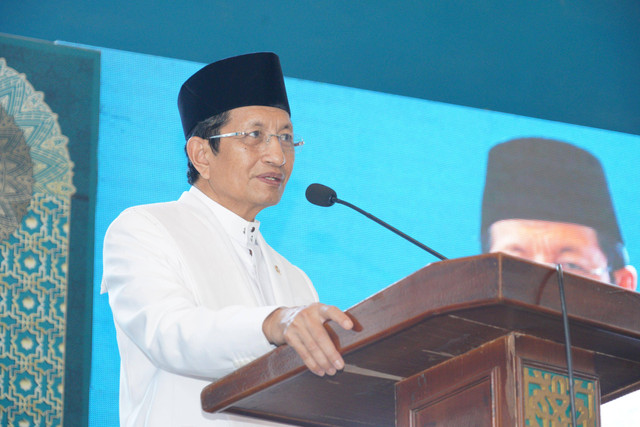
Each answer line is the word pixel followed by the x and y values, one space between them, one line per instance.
pixel 245 134
pixel 572 267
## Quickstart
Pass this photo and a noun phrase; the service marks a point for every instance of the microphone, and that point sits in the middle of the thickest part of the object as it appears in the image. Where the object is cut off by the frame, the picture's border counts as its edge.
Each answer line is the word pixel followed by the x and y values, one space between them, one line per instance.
pixel 321 195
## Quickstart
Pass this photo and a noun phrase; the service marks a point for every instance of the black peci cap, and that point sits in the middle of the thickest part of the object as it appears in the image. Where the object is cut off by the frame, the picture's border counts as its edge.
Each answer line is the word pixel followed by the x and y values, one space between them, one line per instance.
pixel 240 81
pixel 548 180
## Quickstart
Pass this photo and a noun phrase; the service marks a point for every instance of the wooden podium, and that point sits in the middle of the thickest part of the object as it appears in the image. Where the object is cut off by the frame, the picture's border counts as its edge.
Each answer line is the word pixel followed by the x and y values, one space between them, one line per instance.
pixel 467 342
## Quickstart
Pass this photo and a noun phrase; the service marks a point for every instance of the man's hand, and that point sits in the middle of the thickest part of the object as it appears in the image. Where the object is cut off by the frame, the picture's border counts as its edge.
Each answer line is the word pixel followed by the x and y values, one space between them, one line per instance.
pixel 302 328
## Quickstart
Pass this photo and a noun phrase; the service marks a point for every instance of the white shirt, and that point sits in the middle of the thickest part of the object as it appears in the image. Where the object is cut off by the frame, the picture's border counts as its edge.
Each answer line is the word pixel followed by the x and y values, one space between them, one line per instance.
pixel 244 236
pixel 186 308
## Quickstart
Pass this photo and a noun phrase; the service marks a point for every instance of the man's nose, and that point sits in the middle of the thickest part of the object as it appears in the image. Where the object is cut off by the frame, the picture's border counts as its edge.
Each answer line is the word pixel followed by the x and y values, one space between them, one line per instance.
pixel 273 139
pixel 542 256
pixel 274 152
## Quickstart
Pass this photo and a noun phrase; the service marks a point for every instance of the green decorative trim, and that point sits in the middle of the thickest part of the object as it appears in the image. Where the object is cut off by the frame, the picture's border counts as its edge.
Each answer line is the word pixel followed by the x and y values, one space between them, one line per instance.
pixel 46 260
pixel 547 401
pixel 33 270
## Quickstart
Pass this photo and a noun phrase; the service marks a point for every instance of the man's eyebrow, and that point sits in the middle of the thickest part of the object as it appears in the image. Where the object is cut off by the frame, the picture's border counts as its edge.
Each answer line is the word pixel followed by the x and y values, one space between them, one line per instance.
pixel 260 124
pixel 514 246
pixel 570 249
pixel 255 122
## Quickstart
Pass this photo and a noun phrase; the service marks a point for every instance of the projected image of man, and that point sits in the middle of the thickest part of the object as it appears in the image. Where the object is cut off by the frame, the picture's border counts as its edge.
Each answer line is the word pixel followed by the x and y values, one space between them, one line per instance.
pixel 548 201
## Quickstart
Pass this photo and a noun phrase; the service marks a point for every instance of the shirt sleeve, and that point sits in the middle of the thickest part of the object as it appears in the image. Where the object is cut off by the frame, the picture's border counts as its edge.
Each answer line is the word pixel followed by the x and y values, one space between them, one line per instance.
pixel 155 308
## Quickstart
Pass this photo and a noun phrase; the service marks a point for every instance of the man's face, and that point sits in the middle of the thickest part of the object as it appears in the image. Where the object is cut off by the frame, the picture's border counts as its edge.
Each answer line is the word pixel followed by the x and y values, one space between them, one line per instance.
pixel 247 179
pixel 574 246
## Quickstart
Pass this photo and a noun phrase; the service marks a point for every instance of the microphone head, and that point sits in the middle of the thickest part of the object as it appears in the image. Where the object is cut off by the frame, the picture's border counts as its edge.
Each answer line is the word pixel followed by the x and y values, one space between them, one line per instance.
pixel 321 195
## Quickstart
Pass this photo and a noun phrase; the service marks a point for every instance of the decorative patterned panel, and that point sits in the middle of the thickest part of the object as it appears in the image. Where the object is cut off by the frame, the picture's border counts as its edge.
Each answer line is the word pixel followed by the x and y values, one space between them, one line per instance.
pixel 547 402
pixel 35 202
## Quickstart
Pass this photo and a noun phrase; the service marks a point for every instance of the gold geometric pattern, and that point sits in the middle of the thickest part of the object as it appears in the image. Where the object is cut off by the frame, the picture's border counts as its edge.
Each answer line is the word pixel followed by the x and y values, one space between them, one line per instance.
pixel 16 175
pixel 33 256
pixel 547 401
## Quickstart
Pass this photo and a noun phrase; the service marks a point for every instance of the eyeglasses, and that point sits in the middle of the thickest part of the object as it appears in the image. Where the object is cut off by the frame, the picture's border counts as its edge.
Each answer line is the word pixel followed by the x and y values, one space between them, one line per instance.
pixel 576 268
pixel 259 139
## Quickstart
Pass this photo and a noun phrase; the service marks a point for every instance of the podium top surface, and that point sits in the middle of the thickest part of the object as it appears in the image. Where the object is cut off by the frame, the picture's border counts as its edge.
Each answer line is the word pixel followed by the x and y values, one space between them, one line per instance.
pixel 437 313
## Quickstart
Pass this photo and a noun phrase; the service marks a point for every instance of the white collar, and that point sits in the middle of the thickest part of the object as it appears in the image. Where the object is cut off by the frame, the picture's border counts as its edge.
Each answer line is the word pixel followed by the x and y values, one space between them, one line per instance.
pixel 242 231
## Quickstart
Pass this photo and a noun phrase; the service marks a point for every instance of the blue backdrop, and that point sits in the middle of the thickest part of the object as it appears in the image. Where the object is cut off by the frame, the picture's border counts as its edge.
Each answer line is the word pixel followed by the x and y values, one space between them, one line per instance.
pixel 418 165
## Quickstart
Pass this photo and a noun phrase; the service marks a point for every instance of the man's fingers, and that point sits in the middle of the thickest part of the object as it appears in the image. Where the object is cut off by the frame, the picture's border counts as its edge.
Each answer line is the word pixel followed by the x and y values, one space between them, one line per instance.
pixel 338 316
pixel 303 329
pixel 326 350
pixel 306 356
pixel 308 330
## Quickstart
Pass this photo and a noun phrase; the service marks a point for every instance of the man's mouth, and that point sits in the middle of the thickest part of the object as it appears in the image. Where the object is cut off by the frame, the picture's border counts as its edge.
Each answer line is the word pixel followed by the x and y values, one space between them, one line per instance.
pixel 271 178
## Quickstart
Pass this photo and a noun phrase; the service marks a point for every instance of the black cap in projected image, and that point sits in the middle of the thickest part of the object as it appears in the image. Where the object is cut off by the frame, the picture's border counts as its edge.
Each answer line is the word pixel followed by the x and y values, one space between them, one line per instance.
pixel 548 180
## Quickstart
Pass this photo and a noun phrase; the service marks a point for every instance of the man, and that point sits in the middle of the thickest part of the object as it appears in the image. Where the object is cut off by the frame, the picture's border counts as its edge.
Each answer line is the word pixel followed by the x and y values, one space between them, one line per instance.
pixel 548 201
pixel 195 290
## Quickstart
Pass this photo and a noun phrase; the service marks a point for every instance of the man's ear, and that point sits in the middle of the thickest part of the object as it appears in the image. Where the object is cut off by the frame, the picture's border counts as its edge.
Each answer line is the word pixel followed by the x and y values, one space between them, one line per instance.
pixel 626 277
pixel 197 149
